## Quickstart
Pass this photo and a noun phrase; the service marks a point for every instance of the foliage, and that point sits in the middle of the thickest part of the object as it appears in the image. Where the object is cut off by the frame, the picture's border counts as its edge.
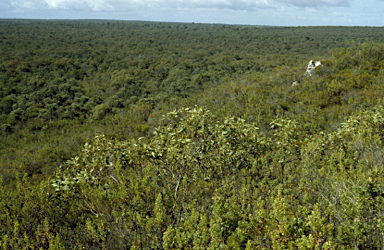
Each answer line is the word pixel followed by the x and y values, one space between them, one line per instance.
pixel 99 149
pixel 201 182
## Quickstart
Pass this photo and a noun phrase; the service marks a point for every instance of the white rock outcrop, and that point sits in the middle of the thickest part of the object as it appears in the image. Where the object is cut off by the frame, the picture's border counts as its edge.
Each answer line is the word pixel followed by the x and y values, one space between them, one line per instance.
pixel 311 66
pixel 309 72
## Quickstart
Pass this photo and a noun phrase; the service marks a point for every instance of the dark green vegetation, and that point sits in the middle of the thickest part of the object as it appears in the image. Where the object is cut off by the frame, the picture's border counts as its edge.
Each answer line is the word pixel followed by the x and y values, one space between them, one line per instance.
pixel 181 136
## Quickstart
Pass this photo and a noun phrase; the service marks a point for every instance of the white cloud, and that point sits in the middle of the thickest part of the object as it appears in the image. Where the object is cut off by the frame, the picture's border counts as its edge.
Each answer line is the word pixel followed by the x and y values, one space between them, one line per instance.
pixel 259 12
pixel 220 4
pixel 24 4
pixel 94 5
pixel 129 5
pixel 316 3
pixel 231 4
pixel 124 5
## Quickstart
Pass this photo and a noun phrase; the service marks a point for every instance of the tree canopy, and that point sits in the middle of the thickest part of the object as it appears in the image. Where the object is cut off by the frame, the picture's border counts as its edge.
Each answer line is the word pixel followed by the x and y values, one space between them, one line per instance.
pixel 142 135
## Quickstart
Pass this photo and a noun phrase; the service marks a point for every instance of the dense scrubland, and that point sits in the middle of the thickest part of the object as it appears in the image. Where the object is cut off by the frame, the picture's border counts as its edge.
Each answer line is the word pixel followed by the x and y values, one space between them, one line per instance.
pixel 141 135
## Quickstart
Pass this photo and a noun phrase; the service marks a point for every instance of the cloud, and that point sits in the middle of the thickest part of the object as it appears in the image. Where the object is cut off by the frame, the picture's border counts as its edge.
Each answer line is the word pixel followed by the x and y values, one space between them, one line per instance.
pixel 129 5
pixel 221 4
pixel 24 4
pixel 94 5
pixel 316 3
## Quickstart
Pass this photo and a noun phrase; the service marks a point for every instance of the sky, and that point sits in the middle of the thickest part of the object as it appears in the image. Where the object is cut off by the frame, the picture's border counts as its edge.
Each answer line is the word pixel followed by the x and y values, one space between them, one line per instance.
pixel 249 12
